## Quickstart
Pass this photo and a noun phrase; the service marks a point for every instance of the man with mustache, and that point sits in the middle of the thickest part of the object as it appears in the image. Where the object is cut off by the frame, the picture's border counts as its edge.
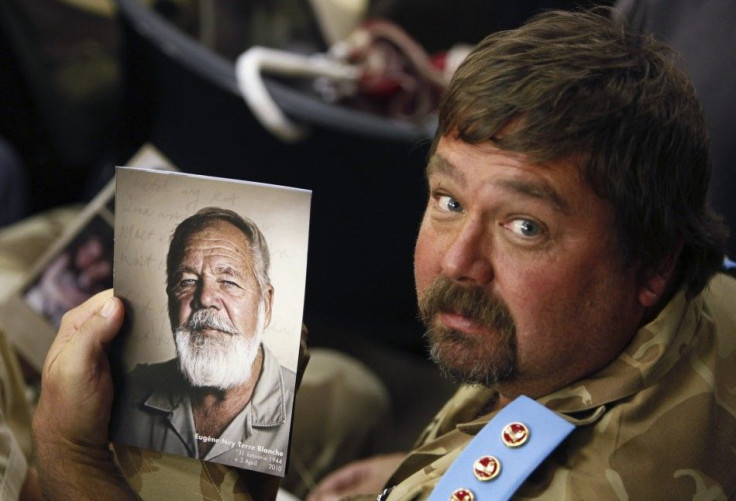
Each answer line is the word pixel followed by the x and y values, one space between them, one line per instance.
pixel 225 390
pixel 566 254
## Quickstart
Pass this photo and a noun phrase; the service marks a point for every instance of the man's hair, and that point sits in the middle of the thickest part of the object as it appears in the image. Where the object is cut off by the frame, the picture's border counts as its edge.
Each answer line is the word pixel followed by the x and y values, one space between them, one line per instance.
pixel 578 85
pixel 205 218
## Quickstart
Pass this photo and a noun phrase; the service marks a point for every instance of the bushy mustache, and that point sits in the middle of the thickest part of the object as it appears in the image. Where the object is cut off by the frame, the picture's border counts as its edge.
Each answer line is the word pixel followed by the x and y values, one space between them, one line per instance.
pixel 208 319
pixel 469 359
pixel 474 303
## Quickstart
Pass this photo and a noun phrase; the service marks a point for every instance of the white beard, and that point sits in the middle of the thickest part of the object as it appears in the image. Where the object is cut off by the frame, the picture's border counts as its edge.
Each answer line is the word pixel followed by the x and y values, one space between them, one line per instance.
pixel 222 360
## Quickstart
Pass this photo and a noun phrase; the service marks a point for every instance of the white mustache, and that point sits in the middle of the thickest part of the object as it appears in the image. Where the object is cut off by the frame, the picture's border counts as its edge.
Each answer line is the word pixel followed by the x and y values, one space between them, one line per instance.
pixel 208 319
pixel 216 361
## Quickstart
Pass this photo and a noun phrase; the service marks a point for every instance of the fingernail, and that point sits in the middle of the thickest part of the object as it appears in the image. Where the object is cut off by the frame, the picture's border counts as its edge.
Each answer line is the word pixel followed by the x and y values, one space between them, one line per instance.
pixel 108 308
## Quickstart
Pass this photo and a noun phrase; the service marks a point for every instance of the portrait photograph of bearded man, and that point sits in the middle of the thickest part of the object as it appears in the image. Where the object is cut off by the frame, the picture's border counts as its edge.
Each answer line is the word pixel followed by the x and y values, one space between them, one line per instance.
pixel 224 395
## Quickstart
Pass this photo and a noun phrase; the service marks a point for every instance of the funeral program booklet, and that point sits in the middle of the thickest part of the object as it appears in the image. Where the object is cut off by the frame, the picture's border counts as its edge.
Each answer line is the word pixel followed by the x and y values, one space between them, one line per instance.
pixel 212 273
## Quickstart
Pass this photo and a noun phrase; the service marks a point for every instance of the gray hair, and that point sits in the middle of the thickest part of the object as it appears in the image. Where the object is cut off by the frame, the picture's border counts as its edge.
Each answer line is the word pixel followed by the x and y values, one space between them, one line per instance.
pixel 205 218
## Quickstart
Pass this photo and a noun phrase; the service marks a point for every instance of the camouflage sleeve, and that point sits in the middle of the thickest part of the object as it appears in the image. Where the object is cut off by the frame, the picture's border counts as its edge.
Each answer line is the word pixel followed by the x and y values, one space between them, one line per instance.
pixel 154 475
pixel 14 425
pixel 13 464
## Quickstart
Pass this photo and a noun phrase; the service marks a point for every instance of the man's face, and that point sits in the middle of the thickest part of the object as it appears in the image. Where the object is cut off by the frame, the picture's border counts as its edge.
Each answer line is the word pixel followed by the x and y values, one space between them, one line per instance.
pixel 217 307
pixel 518 272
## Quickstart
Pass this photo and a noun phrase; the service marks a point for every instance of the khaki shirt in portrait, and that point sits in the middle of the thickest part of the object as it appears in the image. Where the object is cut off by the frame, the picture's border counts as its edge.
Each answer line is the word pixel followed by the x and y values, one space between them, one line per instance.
pixel 154 412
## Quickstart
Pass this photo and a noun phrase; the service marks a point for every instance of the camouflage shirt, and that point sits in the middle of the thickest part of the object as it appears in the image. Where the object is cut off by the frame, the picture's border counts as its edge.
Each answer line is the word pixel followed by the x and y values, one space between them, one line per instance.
pixel 15 429
pixel 657 423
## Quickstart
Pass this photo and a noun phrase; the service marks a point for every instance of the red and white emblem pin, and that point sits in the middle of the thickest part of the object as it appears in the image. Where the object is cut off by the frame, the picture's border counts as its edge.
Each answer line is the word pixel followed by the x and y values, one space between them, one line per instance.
pixel 515 434
pixel 486 468
pixel 462 494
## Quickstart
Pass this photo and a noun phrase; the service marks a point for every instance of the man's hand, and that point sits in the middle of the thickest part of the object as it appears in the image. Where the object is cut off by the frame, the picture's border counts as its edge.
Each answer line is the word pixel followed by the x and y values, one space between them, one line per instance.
pixel 367 476
pixel 70 424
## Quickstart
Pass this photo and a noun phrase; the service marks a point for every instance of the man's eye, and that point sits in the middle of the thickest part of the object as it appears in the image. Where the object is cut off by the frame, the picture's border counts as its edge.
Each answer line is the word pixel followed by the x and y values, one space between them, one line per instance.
pixel 187 282
pixel 525 228
pixel 447 203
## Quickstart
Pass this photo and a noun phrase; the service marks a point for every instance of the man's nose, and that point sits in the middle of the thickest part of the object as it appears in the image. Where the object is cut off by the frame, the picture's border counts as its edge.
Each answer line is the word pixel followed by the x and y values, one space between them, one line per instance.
pixel 467 258
pixel 208 294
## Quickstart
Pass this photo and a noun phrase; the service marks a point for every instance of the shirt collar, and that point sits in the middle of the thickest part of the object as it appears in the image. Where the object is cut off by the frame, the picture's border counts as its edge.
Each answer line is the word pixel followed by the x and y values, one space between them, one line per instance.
pixel 652 352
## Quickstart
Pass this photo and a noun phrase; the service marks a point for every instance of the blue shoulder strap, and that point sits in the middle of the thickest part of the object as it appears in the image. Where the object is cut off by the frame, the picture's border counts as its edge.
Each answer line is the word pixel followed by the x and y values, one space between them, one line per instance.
pixel 503 454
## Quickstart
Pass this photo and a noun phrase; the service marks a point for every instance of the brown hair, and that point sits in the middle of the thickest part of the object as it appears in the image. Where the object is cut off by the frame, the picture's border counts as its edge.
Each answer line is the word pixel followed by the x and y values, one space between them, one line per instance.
pixel 578 85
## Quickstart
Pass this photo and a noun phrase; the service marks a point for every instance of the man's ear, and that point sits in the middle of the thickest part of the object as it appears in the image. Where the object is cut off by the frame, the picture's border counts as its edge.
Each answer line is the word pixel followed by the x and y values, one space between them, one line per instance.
pixel 268 300
pixel 654 281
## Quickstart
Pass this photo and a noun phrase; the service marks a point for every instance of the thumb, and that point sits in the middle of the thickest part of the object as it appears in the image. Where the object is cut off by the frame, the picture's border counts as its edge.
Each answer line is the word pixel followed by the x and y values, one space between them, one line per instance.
pixel 100 328
pixel 76 389
pixel 85 345
pixel 107 322
pixel 88 327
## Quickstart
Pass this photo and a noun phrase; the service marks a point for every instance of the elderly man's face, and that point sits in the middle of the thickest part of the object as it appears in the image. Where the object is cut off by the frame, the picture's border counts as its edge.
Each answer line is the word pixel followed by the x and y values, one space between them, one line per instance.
pixel 518 271
pixel 218 306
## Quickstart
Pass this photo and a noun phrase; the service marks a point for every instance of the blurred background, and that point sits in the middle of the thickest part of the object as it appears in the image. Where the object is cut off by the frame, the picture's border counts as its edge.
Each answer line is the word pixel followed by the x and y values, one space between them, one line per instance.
pixel 84 83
